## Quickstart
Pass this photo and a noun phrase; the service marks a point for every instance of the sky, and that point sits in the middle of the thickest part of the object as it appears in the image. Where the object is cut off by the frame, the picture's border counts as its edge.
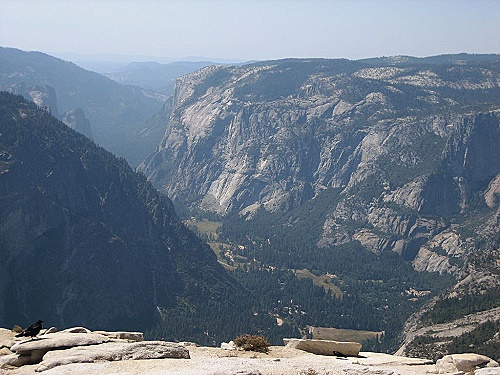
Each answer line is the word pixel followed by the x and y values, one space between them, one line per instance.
pixel 242 30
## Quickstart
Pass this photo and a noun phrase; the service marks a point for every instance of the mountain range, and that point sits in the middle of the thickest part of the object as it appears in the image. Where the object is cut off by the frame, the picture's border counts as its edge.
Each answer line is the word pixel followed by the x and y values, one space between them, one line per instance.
pixel 154 76
pixel 335 193
pixel 116 113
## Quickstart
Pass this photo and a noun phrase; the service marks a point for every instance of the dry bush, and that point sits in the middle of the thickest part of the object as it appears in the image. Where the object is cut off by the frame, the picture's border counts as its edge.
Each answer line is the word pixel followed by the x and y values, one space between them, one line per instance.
pixel 256 343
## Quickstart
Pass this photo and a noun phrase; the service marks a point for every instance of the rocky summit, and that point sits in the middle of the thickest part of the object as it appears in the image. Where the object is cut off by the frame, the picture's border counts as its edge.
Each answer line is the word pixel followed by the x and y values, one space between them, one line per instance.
pixel 81 351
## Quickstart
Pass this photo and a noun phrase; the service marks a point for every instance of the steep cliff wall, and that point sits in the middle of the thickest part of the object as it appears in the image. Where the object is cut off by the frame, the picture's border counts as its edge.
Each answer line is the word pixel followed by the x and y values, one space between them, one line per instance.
pixel 409 145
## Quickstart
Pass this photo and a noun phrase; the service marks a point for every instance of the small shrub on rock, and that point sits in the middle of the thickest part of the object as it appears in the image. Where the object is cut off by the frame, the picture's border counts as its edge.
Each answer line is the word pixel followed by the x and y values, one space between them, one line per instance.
pixel 256 343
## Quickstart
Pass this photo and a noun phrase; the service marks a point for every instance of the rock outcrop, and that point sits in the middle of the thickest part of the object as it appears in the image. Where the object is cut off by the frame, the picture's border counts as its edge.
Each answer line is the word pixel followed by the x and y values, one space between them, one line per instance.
pixel 87 353
pixel 463 363
pixel 75 119
pixel 325 347
pixel 80 345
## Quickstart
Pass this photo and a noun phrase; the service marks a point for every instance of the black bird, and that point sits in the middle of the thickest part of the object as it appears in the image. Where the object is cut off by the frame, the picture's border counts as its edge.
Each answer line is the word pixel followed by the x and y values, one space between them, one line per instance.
pixel 32 330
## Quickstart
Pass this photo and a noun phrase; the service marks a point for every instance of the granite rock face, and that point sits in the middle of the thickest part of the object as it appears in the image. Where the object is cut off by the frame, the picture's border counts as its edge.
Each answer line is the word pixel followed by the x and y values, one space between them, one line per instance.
pixel 75 119
pixel 403 143
pixel 324 347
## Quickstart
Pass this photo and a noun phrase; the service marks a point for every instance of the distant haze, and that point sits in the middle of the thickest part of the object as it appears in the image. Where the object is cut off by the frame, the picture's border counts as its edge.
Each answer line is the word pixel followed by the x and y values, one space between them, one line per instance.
pixel 250 29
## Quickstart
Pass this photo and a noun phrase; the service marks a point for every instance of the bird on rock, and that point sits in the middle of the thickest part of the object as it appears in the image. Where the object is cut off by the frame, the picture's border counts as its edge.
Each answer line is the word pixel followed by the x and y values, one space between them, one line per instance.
pixel 32 330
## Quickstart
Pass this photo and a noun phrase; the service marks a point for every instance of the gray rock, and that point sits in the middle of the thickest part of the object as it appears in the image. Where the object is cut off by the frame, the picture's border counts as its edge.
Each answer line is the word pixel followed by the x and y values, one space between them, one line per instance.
pixel 463 363
pixel 113 351
pixel 54 341
pixel 324 347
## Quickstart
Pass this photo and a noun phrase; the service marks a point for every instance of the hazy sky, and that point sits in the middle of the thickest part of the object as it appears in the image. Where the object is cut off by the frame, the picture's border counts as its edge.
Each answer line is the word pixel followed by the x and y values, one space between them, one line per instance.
pixel 252 29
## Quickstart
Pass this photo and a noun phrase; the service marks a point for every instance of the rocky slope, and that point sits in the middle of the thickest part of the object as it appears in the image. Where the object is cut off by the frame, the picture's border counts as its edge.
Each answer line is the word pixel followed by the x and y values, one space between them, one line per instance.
pixel 398 154
pixel 85 239
pixel 116 113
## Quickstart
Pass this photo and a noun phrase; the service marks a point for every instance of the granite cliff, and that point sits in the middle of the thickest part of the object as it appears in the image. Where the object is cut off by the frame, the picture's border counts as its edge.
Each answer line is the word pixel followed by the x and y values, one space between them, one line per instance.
pixel 408 145
pixel 398 154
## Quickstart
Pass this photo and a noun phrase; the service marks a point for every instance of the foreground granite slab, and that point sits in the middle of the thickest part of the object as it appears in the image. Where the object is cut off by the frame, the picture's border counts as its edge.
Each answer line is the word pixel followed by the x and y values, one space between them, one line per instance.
pixel 324 347
pixel 54 341
pixel 113 351
pixel 216 361
pixel 31 351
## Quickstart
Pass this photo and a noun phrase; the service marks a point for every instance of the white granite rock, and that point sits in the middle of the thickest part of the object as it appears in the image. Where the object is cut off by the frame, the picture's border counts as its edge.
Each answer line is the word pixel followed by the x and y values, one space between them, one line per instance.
pixel 463 363
pixel 120 335
pixel 324 347
pixel 228 345
pixel 53 341
pixel 113 351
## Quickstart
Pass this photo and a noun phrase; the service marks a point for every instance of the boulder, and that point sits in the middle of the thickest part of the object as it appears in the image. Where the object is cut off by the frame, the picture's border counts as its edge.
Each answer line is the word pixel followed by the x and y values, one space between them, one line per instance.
pixel 54 341
pixel 29 352
pixel 228 345
pixel 325 347
pixel 113 351
pixel 463 363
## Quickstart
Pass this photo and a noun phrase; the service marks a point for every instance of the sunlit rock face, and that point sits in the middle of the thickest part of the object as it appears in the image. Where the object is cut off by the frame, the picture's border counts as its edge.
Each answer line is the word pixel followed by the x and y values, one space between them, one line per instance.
pixel 274 134
pixel 407 143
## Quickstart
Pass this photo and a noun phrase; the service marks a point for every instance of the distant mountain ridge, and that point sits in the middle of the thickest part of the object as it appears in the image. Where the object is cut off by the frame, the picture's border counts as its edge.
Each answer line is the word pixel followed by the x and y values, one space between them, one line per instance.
pixel 116 113
pixel 155 76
